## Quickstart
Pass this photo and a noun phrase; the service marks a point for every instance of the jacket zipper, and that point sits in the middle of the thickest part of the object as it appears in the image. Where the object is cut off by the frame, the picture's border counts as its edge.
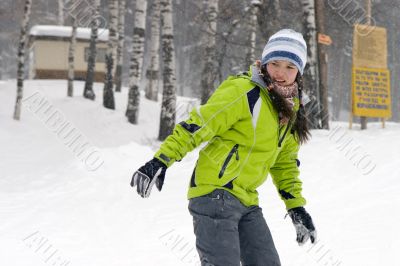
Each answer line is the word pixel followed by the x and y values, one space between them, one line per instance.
pixel 228 158
pixel 283 137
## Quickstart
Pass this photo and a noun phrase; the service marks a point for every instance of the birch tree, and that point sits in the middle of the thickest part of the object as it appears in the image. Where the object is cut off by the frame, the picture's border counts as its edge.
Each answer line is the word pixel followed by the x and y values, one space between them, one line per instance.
pixel 209 69
pixel 132 111
pixel 21 59
pixel 311 76
pixel 225 40
pixel 71 58
pixel 120 47
pixel 322 65
pixel 271 20
pixel 152 73
pixel 275 7
pixel 60 12
pixel 252 25
pixel 168 105
pixel 108 94
pixel 88 91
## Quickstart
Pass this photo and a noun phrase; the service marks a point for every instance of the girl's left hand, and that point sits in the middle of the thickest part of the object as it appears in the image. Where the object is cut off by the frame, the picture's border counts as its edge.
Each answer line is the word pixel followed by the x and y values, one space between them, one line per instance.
pixel 304 225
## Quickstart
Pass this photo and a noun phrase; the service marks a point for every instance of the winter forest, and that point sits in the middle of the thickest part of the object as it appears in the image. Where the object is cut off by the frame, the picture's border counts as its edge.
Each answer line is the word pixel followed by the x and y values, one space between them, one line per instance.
pixel 90 89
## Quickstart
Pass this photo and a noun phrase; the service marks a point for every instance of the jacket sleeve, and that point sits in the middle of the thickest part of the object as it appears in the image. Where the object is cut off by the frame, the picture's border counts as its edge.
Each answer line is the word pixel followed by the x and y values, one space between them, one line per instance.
pixel 221 111
pixel 285 174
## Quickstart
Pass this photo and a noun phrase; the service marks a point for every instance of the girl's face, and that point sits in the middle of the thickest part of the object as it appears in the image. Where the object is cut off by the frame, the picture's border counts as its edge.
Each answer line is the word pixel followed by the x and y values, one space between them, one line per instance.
pixel 283 72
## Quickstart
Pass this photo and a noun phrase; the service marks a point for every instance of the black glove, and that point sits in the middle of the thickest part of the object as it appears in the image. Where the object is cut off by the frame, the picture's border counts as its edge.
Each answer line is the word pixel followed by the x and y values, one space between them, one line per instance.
pixel 304 225
pixel 153 172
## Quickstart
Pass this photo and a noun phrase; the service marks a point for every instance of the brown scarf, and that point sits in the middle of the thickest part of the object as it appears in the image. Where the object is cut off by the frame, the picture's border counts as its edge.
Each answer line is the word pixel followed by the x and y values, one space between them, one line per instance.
pixel 287 93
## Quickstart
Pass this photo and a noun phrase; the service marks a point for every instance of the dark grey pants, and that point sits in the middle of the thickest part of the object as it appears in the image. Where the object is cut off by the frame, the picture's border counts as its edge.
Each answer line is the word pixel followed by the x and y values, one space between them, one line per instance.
pixel 227 232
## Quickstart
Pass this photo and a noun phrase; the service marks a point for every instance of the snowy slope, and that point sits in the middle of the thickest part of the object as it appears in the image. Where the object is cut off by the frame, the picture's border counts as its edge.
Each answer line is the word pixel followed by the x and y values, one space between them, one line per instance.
pixel 57 210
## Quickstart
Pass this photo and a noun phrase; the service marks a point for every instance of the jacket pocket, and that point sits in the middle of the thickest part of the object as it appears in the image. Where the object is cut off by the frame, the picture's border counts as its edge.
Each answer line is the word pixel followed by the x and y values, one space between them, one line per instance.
pixel 233 151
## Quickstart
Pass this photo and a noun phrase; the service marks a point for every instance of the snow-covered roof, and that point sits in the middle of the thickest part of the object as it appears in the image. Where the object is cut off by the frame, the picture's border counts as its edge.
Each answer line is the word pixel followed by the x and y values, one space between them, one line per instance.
pixel 65 31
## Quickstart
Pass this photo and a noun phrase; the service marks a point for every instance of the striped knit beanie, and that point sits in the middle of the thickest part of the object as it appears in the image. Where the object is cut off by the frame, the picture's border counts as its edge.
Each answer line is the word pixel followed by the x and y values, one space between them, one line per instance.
pixel 286 44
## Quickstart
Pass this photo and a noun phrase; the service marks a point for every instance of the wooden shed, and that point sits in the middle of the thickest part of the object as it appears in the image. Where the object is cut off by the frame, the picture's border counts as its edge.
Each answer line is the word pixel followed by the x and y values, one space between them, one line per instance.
pixel 49 47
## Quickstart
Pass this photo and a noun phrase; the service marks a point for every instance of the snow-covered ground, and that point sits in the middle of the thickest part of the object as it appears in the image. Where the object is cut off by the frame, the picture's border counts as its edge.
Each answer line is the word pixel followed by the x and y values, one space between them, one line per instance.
pixel 66 202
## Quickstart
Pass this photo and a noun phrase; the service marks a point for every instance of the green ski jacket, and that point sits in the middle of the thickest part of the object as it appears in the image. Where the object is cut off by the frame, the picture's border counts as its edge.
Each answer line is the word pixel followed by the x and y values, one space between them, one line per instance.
pixel 245 143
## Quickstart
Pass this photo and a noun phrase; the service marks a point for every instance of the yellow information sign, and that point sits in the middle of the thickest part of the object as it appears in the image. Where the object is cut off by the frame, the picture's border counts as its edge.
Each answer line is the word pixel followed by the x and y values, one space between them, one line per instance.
pixel 371 92
pixel 369 50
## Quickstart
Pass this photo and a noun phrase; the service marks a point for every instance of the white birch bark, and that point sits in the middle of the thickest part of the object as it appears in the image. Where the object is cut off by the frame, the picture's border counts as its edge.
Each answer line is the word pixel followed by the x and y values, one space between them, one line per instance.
pixel 252 29
pixel 132 111
pixel 114 32
pixel 152 73
pixel 88 90
pixel 120 47
pixel 71 58
pixel 21 59
pixel 108 94
pixel 168 105
pixel 311 75
pixel 209 69
pixel 60 12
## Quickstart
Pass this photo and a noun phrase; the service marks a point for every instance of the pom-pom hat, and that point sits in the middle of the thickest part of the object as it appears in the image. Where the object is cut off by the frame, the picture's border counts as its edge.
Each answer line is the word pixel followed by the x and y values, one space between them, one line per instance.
pixel 286 44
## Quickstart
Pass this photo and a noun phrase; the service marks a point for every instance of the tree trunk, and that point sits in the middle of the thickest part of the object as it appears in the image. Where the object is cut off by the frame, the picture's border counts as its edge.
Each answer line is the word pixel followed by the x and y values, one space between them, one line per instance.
pixel 88 91
pixel 252 27
pixel 271 20
pixel 311 76
pixel 276 7
pixel 108 94
pixel 168 106
pixel 132 111
pixel 226 38
pixel 60 12
pixel 21 59
pixel 209 69
pixel 395 75
pixel 71 58
pixel 120 48
pixel 153 69
pixel 323 65
pixel 339 94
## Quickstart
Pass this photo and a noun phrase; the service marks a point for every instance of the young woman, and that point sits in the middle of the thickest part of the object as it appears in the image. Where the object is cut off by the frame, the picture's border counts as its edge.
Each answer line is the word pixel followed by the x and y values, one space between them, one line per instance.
pixel 254 124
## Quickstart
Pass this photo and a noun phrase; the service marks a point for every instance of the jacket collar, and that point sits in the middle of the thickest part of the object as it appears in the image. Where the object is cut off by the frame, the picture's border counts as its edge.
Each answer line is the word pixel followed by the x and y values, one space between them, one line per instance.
pixel 256 78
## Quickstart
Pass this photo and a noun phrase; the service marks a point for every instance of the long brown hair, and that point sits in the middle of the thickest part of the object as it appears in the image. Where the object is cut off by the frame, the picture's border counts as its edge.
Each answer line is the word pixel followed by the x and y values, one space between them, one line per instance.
pixel 300 126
